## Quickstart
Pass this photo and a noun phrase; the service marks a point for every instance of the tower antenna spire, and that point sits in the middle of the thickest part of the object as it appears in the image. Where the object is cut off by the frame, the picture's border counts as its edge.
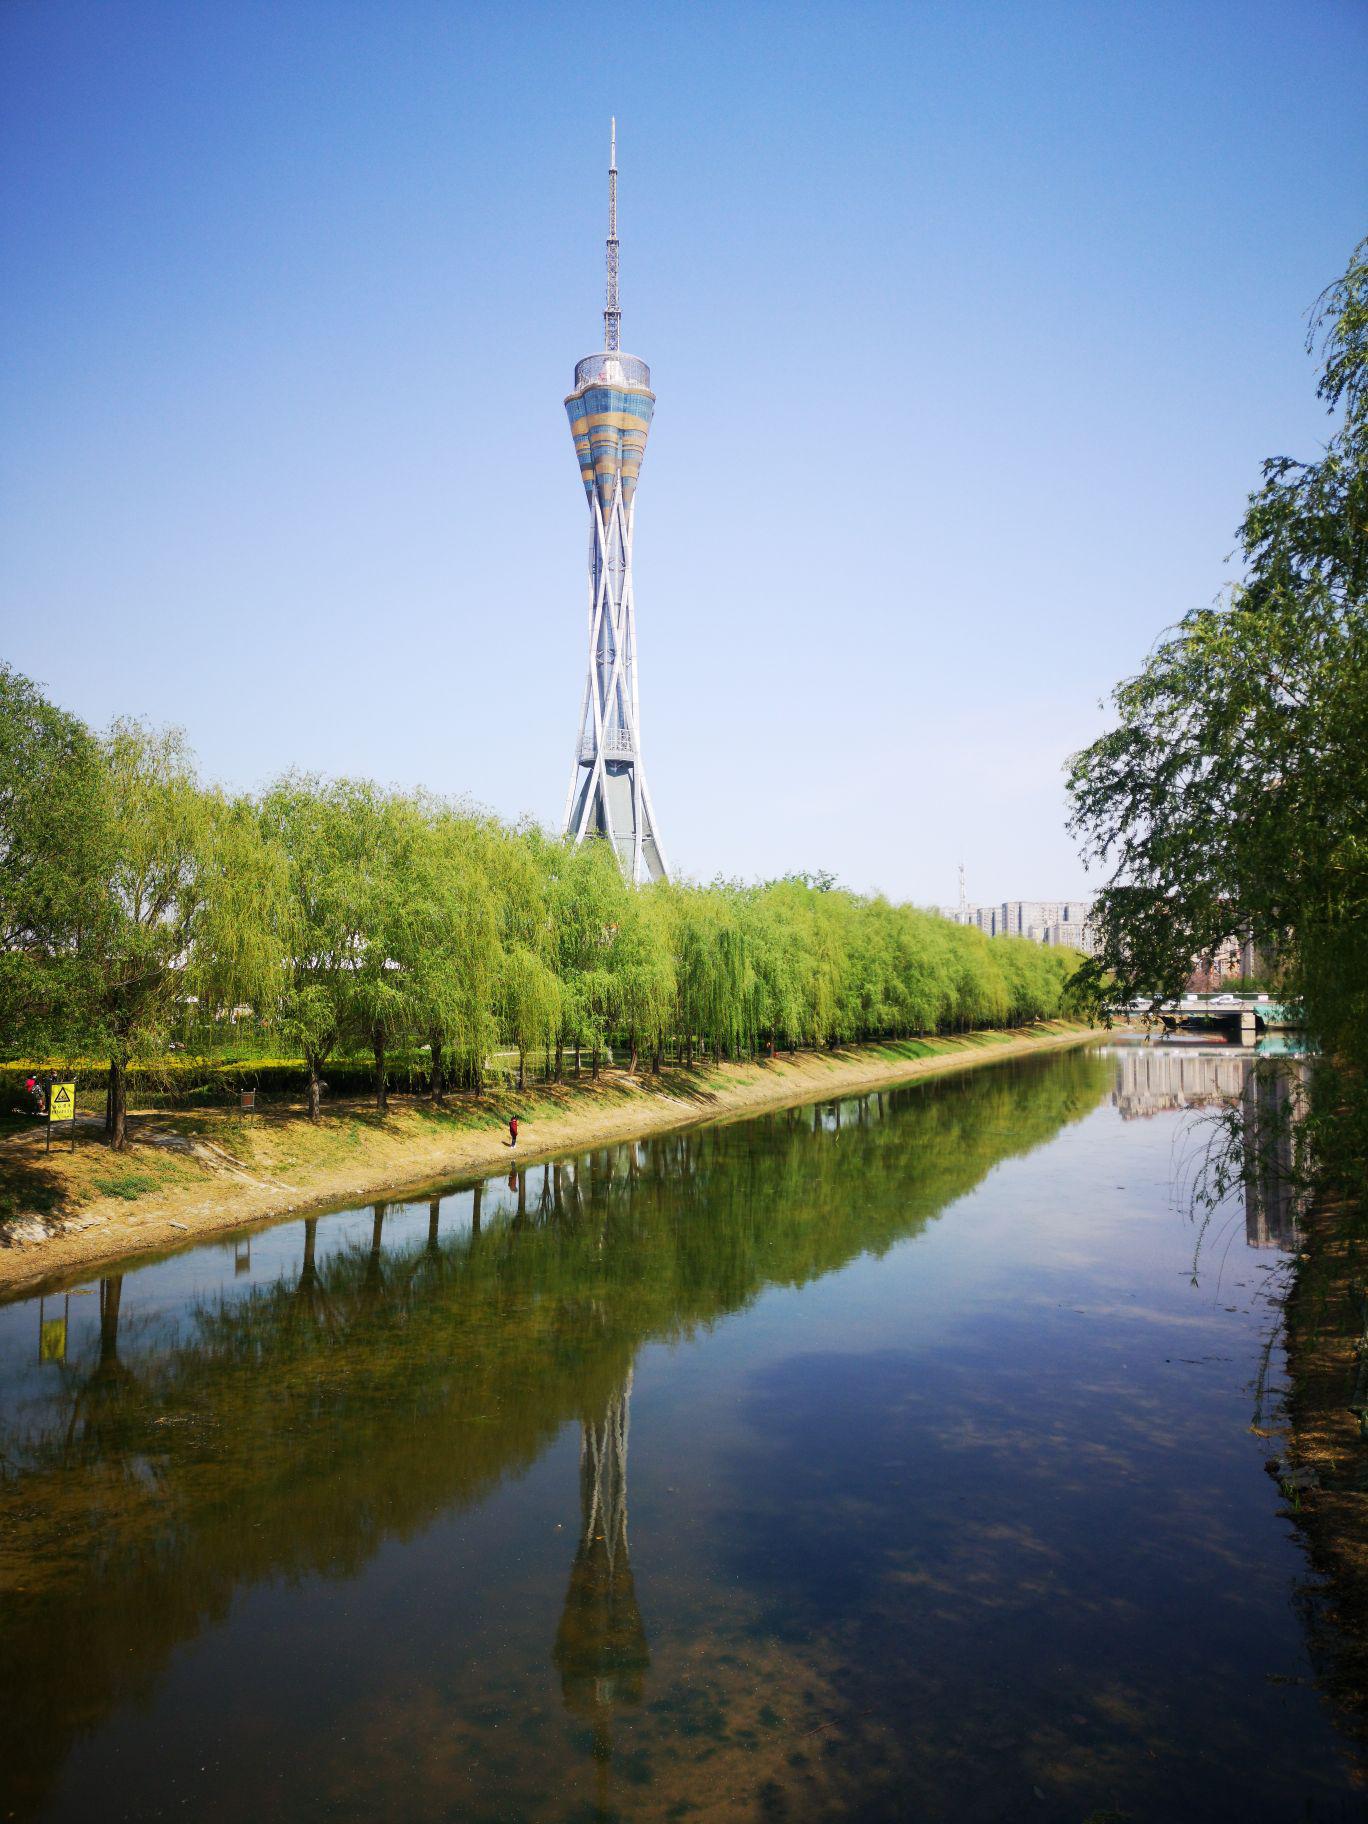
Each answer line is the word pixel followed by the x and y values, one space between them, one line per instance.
pixel 612 316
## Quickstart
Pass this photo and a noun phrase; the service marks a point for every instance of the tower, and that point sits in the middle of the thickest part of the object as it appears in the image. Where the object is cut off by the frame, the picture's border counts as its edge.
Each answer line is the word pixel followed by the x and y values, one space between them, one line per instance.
pixel 610 417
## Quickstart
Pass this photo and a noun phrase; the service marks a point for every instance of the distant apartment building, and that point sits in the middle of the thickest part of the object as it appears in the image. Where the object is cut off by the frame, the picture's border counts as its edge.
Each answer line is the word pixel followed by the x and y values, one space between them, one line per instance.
pixel 1043 921
pixel 1018 916
pixel 1073 934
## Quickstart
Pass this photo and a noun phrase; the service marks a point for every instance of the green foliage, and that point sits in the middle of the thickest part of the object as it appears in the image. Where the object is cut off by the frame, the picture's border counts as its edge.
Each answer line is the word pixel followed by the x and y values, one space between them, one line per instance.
pixel 1232 794
pixel 191 903
pixel 128 1185
pixel 53 823
pixel 347 919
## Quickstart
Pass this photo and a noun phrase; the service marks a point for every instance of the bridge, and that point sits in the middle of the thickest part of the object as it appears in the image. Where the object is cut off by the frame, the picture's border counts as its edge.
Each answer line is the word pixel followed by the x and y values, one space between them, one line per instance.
pixel 1243 1015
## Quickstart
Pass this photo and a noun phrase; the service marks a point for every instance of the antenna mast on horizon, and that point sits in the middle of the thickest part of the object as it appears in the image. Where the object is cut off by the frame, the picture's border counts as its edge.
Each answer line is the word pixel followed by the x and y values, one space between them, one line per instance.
pixel 612 316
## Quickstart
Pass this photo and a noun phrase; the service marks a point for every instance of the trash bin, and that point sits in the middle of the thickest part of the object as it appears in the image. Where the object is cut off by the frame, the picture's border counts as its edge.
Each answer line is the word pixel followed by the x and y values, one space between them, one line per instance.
pixel 249 1099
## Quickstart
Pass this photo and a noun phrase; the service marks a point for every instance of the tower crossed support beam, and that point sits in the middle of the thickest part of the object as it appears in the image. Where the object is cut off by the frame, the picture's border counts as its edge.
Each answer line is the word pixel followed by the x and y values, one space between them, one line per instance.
pixel 608 746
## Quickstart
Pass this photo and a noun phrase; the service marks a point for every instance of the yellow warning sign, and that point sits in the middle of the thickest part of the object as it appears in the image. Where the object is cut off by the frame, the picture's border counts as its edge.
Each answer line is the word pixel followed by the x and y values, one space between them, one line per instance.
pixel 62 1104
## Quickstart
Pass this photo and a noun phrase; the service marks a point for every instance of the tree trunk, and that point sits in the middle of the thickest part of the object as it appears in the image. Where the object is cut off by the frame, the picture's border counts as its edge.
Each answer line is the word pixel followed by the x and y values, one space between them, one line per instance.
pixel 657 1059
pixel 560 1061
pixel 118 1104
pixel 381 1083
pixel 688 1052
pixel 593 1063
pixel 315 1086
pixel 437 1081
pixel 577 1060
pixel 631 1068
pixel 522 1068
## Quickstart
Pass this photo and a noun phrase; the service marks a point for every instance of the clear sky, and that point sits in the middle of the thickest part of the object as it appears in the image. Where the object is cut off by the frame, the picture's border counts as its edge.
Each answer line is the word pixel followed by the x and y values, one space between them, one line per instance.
pixel 969 327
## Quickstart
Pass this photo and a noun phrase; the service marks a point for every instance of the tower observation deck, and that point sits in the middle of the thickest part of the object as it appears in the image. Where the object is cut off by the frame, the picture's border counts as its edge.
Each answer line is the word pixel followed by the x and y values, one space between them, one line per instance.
pixel 610 413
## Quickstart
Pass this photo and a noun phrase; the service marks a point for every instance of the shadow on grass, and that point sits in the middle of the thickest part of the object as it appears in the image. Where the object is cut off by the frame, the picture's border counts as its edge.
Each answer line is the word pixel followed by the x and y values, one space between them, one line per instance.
pixel 30 1187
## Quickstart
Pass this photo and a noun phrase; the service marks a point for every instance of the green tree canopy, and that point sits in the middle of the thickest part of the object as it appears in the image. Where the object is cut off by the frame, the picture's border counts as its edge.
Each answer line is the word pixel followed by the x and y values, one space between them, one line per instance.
pixel 54 828
pixel 1231 796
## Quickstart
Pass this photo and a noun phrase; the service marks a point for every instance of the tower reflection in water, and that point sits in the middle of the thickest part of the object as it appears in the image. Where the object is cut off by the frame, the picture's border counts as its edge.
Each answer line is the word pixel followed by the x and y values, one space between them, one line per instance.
pixel 1269 1093
pixel 601 1651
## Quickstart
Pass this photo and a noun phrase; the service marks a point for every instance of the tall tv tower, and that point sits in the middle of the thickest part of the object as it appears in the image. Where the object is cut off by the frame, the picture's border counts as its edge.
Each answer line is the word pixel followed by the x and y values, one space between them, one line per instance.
pixel 610 416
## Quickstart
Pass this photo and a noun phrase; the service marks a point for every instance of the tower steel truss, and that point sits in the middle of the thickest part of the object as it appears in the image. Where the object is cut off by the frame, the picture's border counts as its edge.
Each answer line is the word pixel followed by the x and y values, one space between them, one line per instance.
pixel 610 414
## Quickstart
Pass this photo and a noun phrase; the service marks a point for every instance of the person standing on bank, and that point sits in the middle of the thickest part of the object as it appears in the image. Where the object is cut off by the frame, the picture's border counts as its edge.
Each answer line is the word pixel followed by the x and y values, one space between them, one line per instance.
pixel 512 1130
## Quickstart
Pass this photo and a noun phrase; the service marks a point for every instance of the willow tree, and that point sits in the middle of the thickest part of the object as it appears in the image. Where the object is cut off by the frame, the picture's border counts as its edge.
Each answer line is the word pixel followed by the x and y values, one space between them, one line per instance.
pixel 386 995
pixel 716 981
pixel 588 904
pixel 193 904
pixel 324 831
pixel 454 967
pixel 643 972
pixel 529 1003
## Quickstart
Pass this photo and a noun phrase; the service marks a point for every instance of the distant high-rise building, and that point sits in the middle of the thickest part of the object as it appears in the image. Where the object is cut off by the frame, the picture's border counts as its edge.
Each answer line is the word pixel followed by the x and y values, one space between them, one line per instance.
pixel 610 413
pixel 1043 921
pixel 1073 935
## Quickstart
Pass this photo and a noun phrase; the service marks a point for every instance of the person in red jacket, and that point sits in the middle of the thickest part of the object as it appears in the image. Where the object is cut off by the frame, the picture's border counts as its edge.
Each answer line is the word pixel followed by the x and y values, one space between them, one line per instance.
pixel 512 1130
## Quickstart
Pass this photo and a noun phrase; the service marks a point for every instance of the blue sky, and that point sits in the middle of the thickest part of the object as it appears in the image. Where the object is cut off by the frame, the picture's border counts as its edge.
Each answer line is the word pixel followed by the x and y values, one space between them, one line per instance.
pixel 969 327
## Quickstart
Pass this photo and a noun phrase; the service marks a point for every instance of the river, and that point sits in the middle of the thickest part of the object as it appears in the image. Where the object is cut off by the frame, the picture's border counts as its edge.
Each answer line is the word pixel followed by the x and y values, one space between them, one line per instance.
pixel 894 1458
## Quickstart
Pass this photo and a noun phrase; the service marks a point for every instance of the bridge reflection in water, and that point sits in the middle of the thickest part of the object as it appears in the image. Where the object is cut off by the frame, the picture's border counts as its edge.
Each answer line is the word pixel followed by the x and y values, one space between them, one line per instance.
pixel 1269 1094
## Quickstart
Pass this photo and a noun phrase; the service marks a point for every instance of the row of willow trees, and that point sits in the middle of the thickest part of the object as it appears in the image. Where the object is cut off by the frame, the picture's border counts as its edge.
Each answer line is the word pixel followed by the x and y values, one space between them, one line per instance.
pixel 350 919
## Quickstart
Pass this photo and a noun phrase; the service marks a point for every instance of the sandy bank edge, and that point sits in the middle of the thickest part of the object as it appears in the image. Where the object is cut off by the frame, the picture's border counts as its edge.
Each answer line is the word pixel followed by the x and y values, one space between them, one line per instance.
pixel 407 1163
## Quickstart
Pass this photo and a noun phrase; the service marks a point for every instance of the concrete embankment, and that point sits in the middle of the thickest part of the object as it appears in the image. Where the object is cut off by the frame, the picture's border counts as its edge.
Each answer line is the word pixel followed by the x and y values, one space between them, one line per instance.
pixel 186 1176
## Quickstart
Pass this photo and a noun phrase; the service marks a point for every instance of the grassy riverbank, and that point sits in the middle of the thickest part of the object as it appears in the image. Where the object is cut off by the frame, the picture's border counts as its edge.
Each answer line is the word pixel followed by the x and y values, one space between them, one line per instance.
pixel 1325 1475
pixel 191 1174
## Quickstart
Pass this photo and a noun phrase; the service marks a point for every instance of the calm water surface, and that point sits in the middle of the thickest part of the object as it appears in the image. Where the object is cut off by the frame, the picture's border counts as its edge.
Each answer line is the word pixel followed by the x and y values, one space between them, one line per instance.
pixel 875 1460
